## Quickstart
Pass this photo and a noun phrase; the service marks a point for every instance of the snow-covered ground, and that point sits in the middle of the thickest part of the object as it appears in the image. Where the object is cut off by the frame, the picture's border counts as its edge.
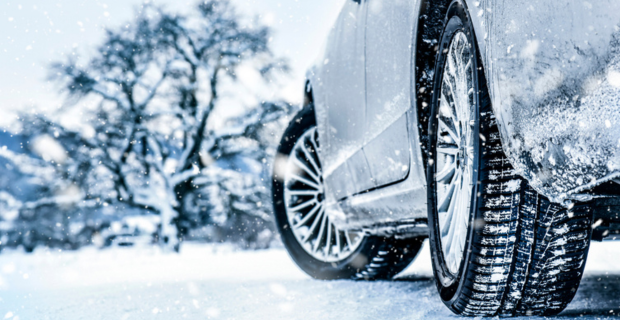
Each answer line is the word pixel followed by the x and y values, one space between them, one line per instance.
pixel 219 282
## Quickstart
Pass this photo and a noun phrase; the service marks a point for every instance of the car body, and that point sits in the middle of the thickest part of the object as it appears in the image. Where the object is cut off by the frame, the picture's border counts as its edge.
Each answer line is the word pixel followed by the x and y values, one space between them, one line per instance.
pixel 553 81
pixel 490 127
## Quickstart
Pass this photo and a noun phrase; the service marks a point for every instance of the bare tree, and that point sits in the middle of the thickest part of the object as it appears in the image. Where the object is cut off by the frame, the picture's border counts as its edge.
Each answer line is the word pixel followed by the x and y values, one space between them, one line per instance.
pixel 159 80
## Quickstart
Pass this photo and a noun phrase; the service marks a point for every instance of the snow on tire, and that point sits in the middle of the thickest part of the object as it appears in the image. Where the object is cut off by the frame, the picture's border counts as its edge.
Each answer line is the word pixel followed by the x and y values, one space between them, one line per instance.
pixel 510 251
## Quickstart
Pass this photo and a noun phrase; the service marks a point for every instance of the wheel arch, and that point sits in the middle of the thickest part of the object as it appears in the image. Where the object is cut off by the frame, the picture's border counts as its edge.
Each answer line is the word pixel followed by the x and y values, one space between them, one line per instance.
pixel 308 96
pixel 312 86
pixel 312 94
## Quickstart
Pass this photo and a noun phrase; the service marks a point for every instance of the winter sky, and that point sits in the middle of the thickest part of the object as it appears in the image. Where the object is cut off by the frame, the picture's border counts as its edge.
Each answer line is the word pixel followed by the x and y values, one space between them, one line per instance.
pixel 35 32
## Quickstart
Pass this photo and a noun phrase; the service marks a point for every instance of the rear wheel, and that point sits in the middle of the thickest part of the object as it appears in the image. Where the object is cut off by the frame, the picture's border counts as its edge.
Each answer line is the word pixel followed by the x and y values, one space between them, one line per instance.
pixel 498 247
pixel 313 241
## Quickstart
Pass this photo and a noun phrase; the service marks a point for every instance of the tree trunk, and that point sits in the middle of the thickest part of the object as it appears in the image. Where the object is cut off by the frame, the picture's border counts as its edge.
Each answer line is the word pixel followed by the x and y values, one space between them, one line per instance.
pixel 182 222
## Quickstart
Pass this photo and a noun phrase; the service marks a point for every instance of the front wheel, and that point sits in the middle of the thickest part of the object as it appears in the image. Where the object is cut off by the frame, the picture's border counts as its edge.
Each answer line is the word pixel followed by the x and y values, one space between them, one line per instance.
pixel 498 247
pixel 317 246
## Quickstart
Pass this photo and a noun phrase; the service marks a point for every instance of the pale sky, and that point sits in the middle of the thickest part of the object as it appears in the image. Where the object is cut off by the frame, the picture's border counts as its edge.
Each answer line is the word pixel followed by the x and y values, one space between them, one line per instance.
pixel 35 32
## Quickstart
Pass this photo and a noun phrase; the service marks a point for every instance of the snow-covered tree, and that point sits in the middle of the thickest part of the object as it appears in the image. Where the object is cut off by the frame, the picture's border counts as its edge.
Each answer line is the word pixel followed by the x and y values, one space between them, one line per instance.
pixel 234 195
pixel 37 200
pixel 158 80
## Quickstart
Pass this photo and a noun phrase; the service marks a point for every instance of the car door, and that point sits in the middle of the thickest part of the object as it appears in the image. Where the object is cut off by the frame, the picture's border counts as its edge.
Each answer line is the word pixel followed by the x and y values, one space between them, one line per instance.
pixel 346 170
pixel 389 42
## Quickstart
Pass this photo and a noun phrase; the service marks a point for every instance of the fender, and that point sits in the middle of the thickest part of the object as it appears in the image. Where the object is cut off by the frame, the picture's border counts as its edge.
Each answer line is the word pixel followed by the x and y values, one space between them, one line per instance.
pixel 553 69
pixel 553 72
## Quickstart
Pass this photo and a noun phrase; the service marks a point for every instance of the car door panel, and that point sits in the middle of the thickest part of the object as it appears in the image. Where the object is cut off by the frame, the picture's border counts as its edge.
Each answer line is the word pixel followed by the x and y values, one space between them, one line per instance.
pixel 340 182
pixel 389 38
pixel 343 73
pixel 361 175
pixel 389 158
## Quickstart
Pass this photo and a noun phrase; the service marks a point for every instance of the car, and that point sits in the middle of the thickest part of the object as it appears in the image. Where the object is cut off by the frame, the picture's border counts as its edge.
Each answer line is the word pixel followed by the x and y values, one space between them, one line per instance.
pixel 492 128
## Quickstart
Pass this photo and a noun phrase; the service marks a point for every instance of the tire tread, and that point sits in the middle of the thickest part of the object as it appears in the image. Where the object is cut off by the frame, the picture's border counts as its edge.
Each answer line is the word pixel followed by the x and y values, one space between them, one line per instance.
pixel 529 254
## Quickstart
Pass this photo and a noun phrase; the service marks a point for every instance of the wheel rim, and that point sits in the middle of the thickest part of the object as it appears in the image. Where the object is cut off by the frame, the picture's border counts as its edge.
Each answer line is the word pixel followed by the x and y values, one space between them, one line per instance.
pixel 304 200
pixel 455 150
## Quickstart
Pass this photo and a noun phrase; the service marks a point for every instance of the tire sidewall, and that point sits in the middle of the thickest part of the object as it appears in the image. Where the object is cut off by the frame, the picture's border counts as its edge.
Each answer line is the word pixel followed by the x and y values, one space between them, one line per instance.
pixel 457 19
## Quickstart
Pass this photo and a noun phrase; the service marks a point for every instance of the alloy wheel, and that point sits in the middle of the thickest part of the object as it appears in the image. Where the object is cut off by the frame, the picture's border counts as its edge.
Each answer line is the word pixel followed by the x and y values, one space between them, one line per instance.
pixel 455 150
pixel 304 197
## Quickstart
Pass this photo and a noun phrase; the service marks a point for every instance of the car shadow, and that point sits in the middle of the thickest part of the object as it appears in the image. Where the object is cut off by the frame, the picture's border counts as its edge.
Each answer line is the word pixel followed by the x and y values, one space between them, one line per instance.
pixel 597 296
pixel 590 312
pixel 413 278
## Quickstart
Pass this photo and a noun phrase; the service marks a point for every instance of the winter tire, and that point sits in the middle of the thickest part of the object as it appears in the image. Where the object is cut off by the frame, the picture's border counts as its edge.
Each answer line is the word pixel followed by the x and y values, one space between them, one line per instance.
pixel 497 246
pixel 313 242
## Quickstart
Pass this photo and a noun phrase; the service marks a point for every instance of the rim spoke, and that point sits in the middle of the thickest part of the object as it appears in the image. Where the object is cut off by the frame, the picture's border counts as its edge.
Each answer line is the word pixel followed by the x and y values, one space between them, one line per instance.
pixel 444 203
pixel 453 213
pixel 308 216
pixel 448 202
pixel 457 231
pixel 307 170
pixel 310 157
pixel 315 223
pixel 302 205
pixel 461 45
pixel 449 149
pixel 328 239
pixel 319 237
pixel 451 107
pixel 315 145
pixel 469 64
pixel 302 192
pixel 337 235
pixel 347 238
pixel 305 181
pixel 449 128
pixel 464 188
pixel 446 173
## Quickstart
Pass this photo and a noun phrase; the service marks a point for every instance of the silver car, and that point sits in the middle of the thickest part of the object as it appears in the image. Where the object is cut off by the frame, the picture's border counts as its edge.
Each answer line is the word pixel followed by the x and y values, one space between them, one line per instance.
pixel 490 127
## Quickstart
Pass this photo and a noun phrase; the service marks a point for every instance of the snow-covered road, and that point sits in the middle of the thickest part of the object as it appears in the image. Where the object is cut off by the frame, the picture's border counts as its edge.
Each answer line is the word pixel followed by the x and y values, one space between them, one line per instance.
pixel 218 282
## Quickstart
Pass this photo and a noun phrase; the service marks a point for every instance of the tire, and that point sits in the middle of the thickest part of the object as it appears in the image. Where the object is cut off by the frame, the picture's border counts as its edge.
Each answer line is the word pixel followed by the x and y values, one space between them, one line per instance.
pixel 521 254
pixel 373 257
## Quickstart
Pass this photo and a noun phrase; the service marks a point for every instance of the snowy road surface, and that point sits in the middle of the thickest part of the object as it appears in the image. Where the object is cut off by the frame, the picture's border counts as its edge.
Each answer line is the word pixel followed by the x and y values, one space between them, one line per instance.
pixel 217 282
